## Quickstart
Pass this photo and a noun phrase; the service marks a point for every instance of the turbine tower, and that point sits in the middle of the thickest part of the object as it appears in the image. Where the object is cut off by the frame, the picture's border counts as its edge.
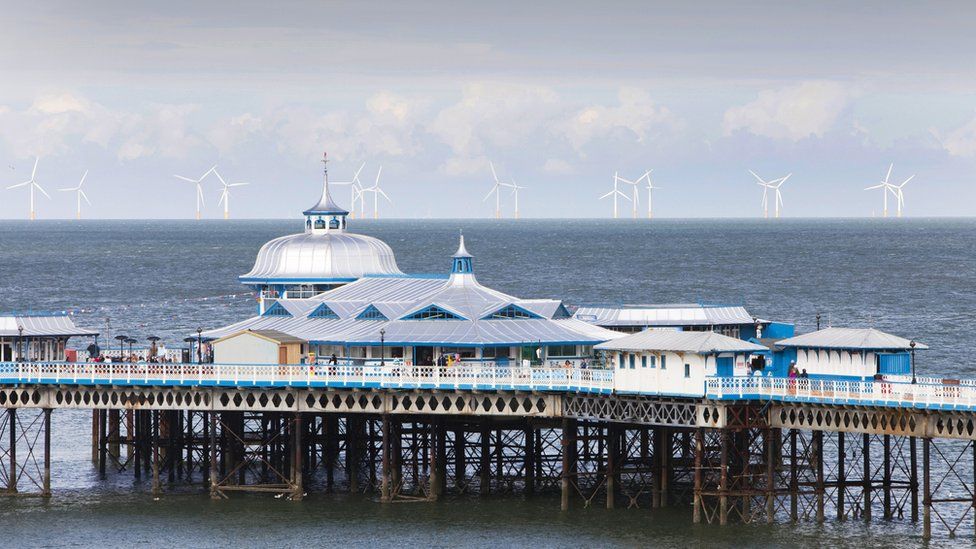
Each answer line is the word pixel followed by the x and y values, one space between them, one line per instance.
pixel 615 193
pixel 356 190
pixel 80 194
pixel 650 191
pixel 515 190
pixel 377 192
pixel 200 200
pixel 225 193
pixel 32 184
pixel 496 189
pixel 767 185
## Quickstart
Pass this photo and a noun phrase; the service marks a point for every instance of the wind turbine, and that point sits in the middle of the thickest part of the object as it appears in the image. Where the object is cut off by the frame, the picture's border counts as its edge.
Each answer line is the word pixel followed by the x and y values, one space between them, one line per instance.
pixel 778 199
pixel 200 200
pixel 356 190
pixel 377 191
pixel 615 193
pixel 650 190
pixel 225 193
pixel 80 193
pixel 767 185
pixel 496 189
pixel 887 187
pixel 515 190
pixel 32 183
pixel 636 197
pixel 897 189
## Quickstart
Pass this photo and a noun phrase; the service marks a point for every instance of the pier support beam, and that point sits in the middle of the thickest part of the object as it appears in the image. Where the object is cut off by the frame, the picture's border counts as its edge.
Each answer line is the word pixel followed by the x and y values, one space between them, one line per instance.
pixel 386 488
pixel 297 451
pixel 12 450
pixel 926 491
pixel 568 461
pixel 46 487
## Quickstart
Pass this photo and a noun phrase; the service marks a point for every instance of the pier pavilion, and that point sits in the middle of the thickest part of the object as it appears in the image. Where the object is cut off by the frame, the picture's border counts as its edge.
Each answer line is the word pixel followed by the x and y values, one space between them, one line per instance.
pixel 37 336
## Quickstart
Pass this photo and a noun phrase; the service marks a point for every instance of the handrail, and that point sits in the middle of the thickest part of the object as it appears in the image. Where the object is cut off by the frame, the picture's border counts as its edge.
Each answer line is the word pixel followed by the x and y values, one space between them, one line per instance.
pixel 882 392
pixel 397 376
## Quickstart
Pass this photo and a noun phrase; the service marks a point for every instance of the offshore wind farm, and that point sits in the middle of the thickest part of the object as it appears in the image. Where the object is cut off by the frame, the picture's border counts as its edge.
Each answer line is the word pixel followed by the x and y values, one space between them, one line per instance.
pixel 520 274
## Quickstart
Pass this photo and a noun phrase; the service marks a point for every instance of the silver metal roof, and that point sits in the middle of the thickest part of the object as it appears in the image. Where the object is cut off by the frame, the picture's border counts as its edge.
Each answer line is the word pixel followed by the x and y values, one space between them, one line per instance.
pixel 397 297
pixel 865 339
pixel 326 205
pixel 665 315
pixel 677 341
pixel 333 256
pixel 41 325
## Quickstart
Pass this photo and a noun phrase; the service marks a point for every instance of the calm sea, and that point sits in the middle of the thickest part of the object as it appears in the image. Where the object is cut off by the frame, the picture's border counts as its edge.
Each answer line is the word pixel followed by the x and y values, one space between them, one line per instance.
pixel 913 277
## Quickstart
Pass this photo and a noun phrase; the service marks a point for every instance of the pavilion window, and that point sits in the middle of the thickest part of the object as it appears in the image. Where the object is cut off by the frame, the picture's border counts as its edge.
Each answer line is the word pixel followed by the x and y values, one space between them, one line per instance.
pixel 512 312
pixel 561 351
pixel 465 352
pixel 687 370
pixel 433 313
pixel 664 362
pixel 371 313
pixel 643 361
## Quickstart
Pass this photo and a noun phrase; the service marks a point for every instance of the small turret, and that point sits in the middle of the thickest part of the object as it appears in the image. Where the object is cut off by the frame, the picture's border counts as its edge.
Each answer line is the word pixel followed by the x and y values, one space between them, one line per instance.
pixel 462 266
pixel 326 215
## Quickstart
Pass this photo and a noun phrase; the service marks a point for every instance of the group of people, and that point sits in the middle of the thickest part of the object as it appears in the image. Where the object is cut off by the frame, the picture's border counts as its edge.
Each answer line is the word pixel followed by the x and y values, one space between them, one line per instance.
pixel 795 373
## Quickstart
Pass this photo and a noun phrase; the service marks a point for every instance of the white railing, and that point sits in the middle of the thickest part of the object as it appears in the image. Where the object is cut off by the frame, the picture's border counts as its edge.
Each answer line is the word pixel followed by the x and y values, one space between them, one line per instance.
pixel 391 376
pixel 833 391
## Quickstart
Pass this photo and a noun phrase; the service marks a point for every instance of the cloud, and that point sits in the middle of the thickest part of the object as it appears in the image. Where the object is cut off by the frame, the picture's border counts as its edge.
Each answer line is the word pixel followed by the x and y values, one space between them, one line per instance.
pixel 961 141
pixel 791 113
pixel 557 166
pixel 636 116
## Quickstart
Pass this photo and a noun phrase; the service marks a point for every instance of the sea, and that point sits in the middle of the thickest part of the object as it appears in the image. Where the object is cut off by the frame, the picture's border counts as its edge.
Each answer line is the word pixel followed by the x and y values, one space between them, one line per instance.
pixel 913 277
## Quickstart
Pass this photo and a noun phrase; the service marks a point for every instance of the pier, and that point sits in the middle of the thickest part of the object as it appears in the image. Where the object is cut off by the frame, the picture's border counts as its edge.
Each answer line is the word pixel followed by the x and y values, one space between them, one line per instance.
pixel 751 450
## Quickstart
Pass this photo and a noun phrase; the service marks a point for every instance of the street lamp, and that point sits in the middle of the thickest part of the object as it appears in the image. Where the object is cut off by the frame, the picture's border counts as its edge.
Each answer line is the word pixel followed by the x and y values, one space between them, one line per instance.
pixel 818 322
pixel 912 345
pixel 199 345
pixel 382 348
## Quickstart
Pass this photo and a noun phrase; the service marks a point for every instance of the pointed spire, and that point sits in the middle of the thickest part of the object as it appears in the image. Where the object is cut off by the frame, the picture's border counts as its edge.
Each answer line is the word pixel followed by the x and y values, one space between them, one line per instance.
pixel 461 251
pixel 462 263
pixel 325 205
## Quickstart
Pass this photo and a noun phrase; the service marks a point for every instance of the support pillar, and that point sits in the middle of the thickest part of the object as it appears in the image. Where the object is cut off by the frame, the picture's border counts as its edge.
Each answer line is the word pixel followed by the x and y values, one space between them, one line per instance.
pixel 485 459
pixel 102 442
pixel 297 450
pixel 794 478
pixel 214 481
pixel 866 454
pixel 12 453
pixel 568 461
pixel 95 436
pixel 771 437
pixel 699 451
pixel 530 460
pixel 886 479
pixel 723 482
pixel 841 475
pixel 385 482
pixel 460 466
pixel 46 488
pixel 155 455
pixel 613 442
pixel 913 475
pixel 926 491
pixel 820 488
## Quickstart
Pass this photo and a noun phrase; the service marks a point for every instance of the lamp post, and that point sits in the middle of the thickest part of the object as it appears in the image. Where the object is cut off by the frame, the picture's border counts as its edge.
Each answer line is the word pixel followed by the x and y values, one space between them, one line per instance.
pixel 912 345
pixel 20 343
pixel 382 348
pixel 130 341
pixel 818 322
pixel 199 345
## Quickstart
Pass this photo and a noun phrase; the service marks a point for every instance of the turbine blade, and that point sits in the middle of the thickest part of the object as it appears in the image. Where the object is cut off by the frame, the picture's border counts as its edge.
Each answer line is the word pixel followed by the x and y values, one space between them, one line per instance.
pixel 890 166
pixel 493 189
pixel 185 178
pixel 378 172
pixel 609 194
pixel 493 174
pixel 905 182
pixel 874 187
pixel 384 195
pixel 85 196
pixel 222 182
pixel 34 171
pixel 203 201
pixel 82 182
pixel 761 182
pixel 238 184
pixel 40 188
pixel 18 185
pixel 361 166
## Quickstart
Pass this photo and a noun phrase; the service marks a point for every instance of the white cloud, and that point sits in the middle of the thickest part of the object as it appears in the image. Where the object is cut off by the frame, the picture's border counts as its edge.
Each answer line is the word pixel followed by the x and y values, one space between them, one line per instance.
pixel 962 140
pixel 557 166
pixel 234 131
pixel 792 113
pixel 636 114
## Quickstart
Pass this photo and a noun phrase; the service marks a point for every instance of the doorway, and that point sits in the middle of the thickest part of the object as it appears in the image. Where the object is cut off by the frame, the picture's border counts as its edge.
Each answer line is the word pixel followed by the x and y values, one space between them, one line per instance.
pixel 423 356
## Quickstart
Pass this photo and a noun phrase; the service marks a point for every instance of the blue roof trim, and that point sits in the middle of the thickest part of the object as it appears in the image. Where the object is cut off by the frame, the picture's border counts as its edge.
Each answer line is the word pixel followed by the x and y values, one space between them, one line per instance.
pixel 371 313
pixel 449 343
pixel 276 310
pixel 530 314
pixel 251 280
pixel 323 311
pixel 439 276
pixel 433 309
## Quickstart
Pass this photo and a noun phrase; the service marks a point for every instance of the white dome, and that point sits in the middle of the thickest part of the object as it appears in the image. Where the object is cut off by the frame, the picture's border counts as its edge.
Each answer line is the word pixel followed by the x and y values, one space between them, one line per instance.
pixel 324 257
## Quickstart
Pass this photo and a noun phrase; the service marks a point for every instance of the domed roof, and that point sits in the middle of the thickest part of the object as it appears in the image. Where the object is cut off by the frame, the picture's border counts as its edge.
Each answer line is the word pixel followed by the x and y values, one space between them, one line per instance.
pixel 328 257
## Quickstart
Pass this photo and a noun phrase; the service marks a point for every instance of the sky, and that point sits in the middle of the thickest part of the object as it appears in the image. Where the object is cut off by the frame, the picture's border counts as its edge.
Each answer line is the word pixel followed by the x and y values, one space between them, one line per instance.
pixel 557 95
